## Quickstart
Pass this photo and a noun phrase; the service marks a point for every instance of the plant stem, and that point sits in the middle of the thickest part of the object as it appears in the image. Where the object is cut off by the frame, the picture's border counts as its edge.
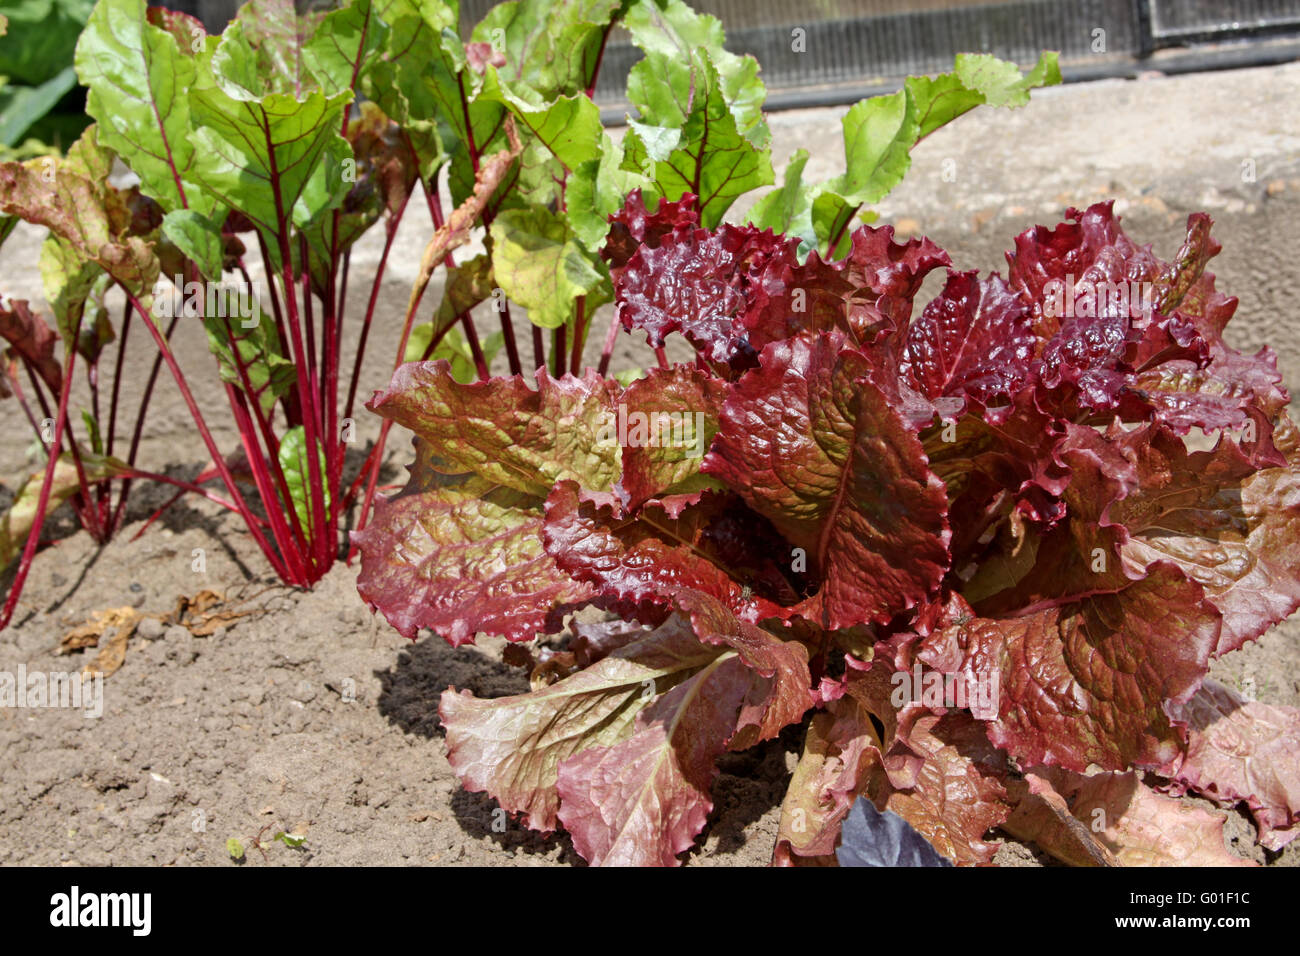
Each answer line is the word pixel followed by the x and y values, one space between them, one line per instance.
pixel 117 379
pixel 292 406
pixel 370 307
pixel 43 499
pixel 16 387
pixel 185 486
pixel 343 294
pixel 244 420
pixel 309 321
pixel 319 558
pixel 293 548
pixel 104 501
pixel 600 55
pixel 839 233
pixel 607 349
pixel 471 336
pixel 508 333
pixel 372 480
pixel 470 145
pixel 36 389
pixel 217 460
pixel 92 380
pixel 138 431
pixel 88 513
pixel 559 354
pixel 539 349
pixel 338 296
pixel 580 324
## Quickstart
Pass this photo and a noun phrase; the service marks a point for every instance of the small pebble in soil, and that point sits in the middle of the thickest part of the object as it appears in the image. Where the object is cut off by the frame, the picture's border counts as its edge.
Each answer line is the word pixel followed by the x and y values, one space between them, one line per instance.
pixel 180 644
pixel 151 629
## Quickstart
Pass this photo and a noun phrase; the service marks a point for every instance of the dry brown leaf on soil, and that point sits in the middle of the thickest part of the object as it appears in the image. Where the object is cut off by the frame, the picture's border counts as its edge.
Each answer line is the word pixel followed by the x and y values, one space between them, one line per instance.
pixel 208 610
pixel 120 621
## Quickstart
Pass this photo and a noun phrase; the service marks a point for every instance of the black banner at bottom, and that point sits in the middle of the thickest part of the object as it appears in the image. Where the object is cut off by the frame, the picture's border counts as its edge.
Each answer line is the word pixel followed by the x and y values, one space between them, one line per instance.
pixel 338 906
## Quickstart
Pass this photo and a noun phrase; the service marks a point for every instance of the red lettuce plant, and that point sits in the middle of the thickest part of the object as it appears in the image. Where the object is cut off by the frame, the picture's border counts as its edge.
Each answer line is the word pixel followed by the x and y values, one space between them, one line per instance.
pixel 977 551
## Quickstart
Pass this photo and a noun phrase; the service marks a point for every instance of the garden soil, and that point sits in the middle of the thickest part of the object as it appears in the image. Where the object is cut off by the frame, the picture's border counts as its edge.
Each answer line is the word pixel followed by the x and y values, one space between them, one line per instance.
pixel 303 713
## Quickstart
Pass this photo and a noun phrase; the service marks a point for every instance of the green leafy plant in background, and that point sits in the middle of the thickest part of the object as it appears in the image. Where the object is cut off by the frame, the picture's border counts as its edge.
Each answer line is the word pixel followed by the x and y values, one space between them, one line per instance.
pixel 291 135
pixel 40 105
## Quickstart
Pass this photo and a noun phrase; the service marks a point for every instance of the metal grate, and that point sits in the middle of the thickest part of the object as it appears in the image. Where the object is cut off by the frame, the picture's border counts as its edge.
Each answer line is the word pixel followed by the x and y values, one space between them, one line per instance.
pixel 868 44
pixel 1181 20
pixel 883 47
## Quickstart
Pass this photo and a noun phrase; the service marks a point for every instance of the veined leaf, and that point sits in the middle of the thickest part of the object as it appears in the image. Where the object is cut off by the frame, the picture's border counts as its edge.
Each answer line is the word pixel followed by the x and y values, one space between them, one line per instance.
pixel 461 554
pixel 383 176
pixel 817 449
pixel 29 336
pixel 263 50
pixel 17 522
pixel 558 431
pixel 276 157
pixel 786 210
pixel 672 33
pixel 512 747
pixel 879 133
pixel 1243 751
pixel 139 79
pixel 416 79
pixel 597 190
pixel 689 139
pixel 1139 827
pixel 73 199
pixel 642 558
pixel 551 46
pixel 642 801
pixel 297 475
pixel 198 238
pixel 1085 679
pixel 455 349
pixel 568 126
pixel 69 281
pixel 541 265
pixel 678 408
pixel 343 45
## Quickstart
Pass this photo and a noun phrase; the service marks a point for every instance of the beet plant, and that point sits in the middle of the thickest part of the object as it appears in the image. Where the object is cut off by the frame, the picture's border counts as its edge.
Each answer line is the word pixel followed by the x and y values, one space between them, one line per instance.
pixel 279 143
pixel 982 553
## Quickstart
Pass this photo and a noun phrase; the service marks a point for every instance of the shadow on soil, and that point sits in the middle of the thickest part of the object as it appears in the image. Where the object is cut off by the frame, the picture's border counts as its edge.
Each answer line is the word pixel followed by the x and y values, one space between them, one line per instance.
pixel 749 784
